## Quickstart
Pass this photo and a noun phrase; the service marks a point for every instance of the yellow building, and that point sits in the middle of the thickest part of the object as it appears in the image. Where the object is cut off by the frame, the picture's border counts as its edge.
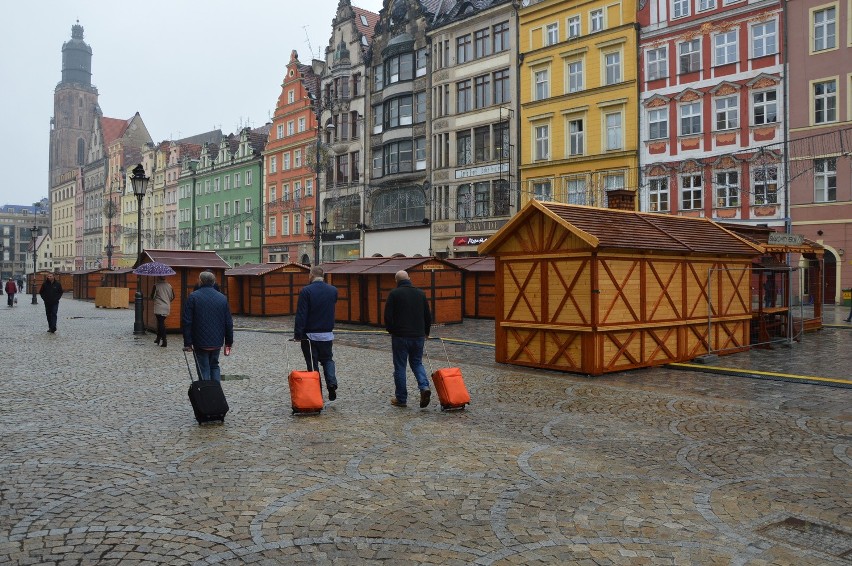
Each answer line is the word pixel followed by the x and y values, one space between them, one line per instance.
pixel 579 100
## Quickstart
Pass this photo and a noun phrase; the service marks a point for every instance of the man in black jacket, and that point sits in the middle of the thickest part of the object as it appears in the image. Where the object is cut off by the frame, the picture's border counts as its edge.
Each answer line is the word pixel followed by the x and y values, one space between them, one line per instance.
pixel 51 292
pixel 207 323
pixel 408 320
pixel 314 327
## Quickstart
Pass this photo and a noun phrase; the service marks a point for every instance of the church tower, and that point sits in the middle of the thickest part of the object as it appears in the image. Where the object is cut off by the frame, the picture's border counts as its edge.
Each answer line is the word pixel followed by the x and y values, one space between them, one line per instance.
pixel 75 108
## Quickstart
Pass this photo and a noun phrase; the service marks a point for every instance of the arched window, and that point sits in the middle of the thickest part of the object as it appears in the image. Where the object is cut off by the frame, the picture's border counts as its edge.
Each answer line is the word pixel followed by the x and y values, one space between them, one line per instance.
pixel 81 152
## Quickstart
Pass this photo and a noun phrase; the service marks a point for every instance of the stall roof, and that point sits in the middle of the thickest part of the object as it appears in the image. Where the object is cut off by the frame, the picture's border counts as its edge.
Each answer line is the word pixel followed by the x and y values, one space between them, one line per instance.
pixel 603 228
pixel 261 268
pixel 759 236
pixel 187 258
pixel 474 263
pixel 120 270
pixel 355 266
pixel 85 271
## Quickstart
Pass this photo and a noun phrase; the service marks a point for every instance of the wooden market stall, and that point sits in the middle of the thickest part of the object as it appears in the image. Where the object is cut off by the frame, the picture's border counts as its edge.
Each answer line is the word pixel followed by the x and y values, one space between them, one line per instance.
pixel 364 284
pixel 593 290
pixel 121 278
pixel 65 279
pixel 477 285
pixel 188 264
pixel 85 282
pixel 266 289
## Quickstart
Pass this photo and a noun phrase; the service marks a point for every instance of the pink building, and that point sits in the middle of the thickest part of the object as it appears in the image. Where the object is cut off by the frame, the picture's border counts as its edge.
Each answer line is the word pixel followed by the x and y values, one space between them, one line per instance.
pixel 711 110
pixel 820 122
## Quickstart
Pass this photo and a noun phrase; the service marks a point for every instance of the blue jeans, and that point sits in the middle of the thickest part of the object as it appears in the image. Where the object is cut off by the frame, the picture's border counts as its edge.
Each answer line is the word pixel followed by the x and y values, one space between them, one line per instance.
pixel 408 351
pixel 208 364
pixel 321 354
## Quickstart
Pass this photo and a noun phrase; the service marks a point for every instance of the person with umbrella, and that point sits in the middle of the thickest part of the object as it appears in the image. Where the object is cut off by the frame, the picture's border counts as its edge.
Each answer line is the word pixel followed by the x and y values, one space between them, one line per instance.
pixel 162 294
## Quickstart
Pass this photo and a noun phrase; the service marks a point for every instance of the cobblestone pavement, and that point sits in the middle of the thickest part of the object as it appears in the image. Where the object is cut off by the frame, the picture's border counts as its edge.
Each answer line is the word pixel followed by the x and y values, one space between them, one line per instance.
pixel 102 462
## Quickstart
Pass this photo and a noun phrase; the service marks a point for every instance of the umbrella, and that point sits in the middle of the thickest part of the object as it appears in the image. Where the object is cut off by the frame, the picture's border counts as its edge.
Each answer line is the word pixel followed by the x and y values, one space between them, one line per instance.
pixel 154 268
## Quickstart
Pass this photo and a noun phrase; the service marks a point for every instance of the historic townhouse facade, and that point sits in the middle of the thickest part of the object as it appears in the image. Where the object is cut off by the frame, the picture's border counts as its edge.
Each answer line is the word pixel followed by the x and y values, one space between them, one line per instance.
pixel 472 124
pixel 290 173
pixel 16 222
pixel 578 100
pixel 712 101
pixel 62 199
pixel 820 138
pixel 398 189
pixel 343 106
pixel 225 209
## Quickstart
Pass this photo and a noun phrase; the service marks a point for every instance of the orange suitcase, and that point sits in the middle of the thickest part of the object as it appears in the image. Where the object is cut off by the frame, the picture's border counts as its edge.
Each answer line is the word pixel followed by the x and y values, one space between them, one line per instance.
pixel 305 391
pixel 449 384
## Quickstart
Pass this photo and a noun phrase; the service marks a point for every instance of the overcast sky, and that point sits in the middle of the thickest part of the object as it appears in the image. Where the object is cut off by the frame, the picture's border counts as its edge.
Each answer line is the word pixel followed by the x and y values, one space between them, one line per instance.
pixel 187 67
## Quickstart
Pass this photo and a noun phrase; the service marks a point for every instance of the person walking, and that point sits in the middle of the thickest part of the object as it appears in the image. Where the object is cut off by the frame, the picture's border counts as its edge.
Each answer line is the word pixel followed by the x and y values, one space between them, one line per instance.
pixel 11 289
pixel 207 323
pixel 50 293
pixel 314 327
pixel 162 295
pixel 408 320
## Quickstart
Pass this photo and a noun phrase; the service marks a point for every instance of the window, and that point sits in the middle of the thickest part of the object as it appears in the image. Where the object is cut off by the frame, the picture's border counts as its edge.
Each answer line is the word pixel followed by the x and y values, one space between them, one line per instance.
pixel 482 91
pixel 280 131
pixel 691 192
pixel 825 180
pixel 613 131
pixel 482 143
pixel 596 20
pixel 227 209
pixel 285 226
pixel 658 195
pixel 482 199
pixel 706 5
pixel 725 48
pixel 501 37
pixel 765 107
pixel 420 107
pixel 398 157
pixel 575 76
pixel 482 43
pixel 378 77
pixel 502 145
pixel 612 62
pixel 463 202
pixel 727 189
pixel 542 142
pixel 297 191
pixel 236 232
pixel 301 126
pixel 297 224
pixel 727 113
pixel 573 27
pixel 542 90
pixel 378 164
pixel 207 186
pixel 464 148
pixel 763 39
pixel 576 137
pixel 576 189
pixel 273 231
pixel 690 119
pixel 216 210
pixel 502 92
pixel 824 29
pixel 399 68
pixel 290 128
pixel 680 8
pixel 273 164
pixel 248 177
pixel 690 56
pixel 825 102
pixel 419 154
pixel 658 123
pixel 463 96
pixel 309 187
pixel 285 192
pixel 285 161
pixel 378 118
pixel 398 112
pixel 291 96
pixel 420 62
pixel 765 185
pixel 542 190
pixel 297 158
pixel 501 198
pixel 248 232
pixel 216 184
pixel 236 208
pixel 464 49
pixel 551 34
pixel 273 193
pixel 657 63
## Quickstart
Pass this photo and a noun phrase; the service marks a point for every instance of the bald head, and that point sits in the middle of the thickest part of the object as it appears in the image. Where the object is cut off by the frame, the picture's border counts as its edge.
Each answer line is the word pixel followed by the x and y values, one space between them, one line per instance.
pixel 401 276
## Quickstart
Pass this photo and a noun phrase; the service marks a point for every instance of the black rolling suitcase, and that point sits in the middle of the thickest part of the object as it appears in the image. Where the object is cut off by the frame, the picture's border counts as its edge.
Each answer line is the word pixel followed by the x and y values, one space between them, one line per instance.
pixel 206 396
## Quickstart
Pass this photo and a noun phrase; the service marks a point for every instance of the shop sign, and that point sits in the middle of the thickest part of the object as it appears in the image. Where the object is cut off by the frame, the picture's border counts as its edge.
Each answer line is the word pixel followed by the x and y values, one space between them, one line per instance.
pixel 482 170
pixel 435 266
pixel 782 239
pixel 341 236
pixel 468 240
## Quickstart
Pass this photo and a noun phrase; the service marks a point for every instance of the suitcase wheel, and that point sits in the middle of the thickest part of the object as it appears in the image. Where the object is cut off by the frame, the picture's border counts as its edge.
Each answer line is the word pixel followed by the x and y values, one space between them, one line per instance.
pixel 452 407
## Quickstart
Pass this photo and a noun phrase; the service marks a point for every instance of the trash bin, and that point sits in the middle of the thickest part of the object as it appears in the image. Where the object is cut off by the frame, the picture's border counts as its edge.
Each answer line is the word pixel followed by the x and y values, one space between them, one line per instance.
pixel 847 297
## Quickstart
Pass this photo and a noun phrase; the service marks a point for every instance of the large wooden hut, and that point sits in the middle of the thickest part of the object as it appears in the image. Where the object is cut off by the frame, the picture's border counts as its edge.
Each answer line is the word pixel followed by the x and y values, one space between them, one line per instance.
pixel 364 284
pixel 593 290
pixel 188 265
pixel 84 283
pixel 266 289
pixel 122 278
pixel 477 285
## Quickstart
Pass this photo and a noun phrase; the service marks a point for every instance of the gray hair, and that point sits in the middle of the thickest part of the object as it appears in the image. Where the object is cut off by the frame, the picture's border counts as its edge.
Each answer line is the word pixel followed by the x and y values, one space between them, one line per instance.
pixel 316 271
pixel 207 278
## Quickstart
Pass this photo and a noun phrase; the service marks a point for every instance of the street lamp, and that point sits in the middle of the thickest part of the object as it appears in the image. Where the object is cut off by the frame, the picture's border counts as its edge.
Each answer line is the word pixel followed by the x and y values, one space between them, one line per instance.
pixel 34 231
pixel 140 186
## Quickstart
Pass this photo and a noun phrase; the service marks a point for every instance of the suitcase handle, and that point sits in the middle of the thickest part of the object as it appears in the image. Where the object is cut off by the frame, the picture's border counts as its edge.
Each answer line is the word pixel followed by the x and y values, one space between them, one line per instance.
pixel 197 367
pixel 287 353
pixel 426 353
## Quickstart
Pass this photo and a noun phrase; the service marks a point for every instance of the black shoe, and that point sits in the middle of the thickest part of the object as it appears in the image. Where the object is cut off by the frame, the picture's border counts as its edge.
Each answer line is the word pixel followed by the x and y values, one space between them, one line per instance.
pixel 847 320
pixel 163 344
pixel 332 392
pixel 157 341
pixel 52 331
pixel 425 397
pixel 396 403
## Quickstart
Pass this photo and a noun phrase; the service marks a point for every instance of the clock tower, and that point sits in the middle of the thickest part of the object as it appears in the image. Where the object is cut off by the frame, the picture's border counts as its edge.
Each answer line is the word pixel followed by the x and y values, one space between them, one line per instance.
pixel 75 108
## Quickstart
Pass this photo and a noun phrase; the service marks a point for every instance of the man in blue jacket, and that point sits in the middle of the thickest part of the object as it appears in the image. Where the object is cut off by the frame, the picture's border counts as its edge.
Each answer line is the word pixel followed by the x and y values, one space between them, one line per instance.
pixel 314 327
pixel 207 324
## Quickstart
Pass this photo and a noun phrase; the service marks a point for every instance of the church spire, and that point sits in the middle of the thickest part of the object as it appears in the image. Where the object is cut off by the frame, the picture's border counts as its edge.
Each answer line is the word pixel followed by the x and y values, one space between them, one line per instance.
pixel 76 58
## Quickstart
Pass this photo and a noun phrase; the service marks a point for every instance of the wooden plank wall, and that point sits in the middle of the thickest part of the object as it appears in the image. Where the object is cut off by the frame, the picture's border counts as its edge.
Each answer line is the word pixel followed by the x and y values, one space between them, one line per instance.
pixel 479 294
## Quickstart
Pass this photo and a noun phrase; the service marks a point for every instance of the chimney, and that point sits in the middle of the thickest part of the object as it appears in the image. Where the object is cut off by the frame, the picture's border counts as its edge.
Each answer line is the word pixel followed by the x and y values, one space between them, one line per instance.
pixel 622 199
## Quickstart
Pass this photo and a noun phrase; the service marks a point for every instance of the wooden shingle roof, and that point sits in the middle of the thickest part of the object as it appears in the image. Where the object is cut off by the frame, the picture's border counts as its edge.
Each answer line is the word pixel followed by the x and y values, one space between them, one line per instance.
pixel 187 258
pixel 258 269
pixel 603 228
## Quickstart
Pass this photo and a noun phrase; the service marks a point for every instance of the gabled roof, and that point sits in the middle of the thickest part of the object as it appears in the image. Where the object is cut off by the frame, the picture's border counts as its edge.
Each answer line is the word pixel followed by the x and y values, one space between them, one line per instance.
pixel 381 265
pixel 264 268
pixel 372 19
pixel 185 258
pixel 477 264
pixel 604 228
pixel 356 266
pixel 113 128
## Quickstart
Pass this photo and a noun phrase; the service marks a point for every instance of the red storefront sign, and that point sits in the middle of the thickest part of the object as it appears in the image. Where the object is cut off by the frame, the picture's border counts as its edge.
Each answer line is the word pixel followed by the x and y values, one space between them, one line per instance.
pixel 469 240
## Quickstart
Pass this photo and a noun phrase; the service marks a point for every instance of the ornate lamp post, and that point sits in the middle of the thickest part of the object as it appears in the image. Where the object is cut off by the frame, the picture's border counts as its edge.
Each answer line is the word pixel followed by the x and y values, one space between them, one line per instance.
pixel 34 232
pixel 140 187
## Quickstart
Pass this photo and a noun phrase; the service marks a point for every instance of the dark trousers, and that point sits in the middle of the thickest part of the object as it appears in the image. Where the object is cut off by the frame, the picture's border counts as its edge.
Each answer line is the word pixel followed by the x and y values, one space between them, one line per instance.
pixel 11 299
pixel 321 354
pixel 161 327
pixel 51 310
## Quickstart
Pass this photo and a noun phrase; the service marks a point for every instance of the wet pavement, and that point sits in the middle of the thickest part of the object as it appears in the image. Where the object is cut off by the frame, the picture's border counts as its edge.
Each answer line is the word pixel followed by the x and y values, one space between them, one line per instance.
pixel 103 463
